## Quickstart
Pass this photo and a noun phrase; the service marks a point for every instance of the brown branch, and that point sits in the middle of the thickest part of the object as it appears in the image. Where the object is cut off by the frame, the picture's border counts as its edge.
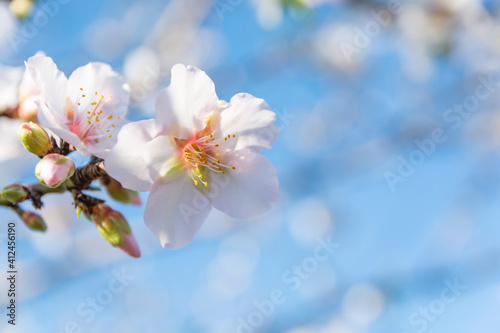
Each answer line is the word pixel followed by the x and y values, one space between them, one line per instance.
pixel 81 180
pixel 37 191
pixel 84 176
pixel 9 113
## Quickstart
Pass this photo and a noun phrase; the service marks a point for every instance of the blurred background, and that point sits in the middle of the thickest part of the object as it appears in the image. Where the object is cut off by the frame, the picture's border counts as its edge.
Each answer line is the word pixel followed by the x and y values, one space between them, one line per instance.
pixel 389 148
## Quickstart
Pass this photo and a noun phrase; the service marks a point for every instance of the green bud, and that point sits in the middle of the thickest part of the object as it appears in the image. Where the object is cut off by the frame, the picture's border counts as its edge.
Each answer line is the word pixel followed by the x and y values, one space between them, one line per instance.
pixel 35 139
pixel 33 221
pixel 117 219
pixel 110 224
pixel 119 193
pixel 110 232
pixel 115 229
pixel 14 193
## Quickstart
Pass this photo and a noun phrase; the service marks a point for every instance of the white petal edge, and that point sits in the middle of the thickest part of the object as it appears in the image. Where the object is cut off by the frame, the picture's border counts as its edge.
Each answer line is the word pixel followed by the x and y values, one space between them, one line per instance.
pixel 52 121
pixel 126 161
pixel 175 211
pixel 51 82
pixel 251 120
pixel 96 77
pixel 183 107
pixel 249 190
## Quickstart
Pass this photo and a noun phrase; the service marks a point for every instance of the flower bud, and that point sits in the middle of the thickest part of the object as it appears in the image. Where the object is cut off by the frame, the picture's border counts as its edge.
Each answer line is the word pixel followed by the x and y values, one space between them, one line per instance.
pixel 130 246
pixel 119 193
pixel 14 193
pixel 33 221
pixel 34 139
pixel 115 229
pixel 54 169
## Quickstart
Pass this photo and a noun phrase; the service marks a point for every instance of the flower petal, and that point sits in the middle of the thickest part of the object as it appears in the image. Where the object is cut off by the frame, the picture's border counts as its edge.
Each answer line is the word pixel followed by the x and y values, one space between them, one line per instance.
pixel 183 107
pixel 28 87
pixel 129 160
pixel 160 155
pixel 249 190
pixel 52 121
pixel 175 211
pixel 51 82
pixel 95 80
pixel 251 120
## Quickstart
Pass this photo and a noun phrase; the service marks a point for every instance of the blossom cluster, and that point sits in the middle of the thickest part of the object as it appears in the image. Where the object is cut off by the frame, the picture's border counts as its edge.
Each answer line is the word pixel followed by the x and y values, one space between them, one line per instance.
pixel 199 152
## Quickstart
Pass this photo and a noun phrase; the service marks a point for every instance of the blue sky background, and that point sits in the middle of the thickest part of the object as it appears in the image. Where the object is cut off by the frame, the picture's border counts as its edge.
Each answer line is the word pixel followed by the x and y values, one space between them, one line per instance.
pixel 344 126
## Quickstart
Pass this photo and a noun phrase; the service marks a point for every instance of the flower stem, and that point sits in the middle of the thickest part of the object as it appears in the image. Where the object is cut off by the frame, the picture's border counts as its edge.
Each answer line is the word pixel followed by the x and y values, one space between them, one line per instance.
pixel 81 180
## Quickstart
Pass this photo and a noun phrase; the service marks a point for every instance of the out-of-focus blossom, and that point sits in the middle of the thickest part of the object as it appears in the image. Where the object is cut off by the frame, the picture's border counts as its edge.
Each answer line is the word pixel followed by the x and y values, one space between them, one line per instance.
pixel 28 95
pixel 178 34
pixel 22 8
pixel 10 78
pixel 363 303
pixel 84 110
pixel 198 153
pixel 18 92
pixel 11 146
pixel 270 12
pixel 8 26
pixel 329 45
pixel 54 169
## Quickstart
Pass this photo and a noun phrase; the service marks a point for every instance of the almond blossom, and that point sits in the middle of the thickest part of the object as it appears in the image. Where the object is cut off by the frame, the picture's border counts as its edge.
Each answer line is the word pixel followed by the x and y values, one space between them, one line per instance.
pixel 85 110
pixel 199 152
pixel 10 77
pixel 18 92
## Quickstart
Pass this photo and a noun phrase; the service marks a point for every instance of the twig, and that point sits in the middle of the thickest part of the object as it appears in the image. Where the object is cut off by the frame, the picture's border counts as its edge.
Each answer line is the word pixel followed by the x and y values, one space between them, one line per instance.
pixel 84 176
pixel 81 180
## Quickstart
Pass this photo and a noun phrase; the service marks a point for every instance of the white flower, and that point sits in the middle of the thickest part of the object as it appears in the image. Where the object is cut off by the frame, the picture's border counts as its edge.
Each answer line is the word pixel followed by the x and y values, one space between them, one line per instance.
pixel 18 92
pixel 28 94
pixel 10 77
pixel 7 29
pixel 84 110
pixel 198 153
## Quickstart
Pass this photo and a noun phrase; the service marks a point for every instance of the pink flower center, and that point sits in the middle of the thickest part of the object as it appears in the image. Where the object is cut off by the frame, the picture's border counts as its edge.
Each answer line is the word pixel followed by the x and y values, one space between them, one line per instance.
pixel 92 124
pixel 204 153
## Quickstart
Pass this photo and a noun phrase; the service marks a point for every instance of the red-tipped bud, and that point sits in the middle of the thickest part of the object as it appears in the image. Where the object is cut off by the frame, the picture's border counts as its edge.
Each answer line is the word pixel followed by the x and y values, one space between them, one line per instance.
pixel 130 246
pixel 35 139
pixel 119 193
pixel 115 229
pixel 33 221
